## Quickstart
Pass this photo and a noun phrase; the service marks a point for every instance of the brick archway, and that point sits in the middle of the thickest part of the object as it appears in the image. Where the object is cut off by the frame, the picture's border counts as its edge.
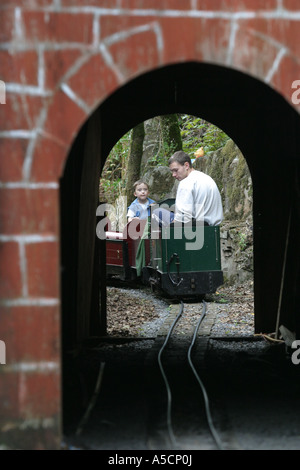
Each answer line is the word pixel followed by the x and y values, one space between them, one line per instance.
pixel 59 64
pixel 248 111
pixel 77 81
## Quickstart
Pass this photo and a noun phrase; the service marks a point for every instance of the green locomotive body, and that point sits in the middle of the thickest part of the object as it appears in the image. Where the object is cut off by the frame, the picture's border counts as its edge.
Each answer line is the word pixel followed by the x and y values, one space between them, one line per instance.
pixel 181 260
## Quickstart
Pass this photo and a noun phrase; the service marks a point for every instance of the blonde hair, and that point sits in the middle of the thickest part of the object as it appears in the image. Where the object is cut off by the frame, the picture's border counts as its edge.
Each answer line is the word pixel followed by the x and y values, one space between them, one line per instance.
pixel 140 182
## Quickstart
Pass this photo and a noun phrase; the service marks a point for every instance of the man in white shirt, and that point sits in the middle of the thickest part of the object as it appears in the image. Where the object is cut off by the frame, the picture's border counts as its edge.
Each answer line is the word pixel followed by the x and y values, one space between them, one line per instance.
pixel 198 198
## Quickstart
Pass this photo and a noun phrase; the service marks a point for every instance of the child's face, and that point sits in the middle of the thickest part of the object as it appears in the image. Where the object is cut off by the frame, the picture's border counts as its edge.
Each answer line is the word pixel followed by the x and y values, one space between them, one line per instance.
pixel 141 192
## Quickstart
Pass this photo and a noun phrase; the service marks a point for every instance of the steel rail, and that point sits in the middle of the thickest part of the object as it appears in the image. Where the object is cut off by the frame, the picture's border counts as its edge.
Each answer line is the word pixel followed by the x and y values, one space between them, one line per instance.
pixel 169 394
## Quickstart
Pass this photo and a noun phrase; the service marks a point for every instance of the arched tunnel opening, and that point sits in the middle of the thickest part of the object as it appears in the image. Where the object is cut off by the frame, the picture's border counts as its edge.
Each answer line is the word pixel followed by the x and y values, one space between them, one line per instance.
pixel 142 154
pixel 265 128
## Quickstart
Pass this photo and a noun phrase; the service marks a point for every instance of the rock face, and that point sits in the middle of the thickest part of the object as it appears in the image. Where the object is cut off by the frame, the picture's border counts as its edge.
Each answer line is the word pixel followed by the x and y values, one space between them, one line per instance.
pixel 151 143
pixel 161 183
pixel 229 169
pixel 237 251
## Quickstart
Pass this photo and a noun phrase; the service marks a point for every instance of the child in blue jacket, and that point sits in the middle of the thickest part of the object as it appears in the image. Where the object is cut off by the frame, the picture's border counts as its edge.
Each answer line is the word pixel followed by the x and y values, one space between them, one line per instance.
pixel 140 207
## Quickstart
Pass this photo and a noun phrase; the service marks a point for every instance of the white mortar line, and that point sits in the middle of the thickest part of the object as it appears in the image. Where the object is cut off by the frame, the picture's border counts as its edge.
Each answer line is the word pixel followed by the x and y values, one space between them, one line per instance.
pixel 159 39
pixel 277 12
pixel 17 134
pixel 28 185
pixel 36 423
pixel 30 302
pixel 274 42
pixel 110 62
pixel 18 24
pixel 46 45
pixel 27 239
pixel 96 30
pixel 29 367
pixel 23 268
pixel 150 12
pixel 275 65
pixel 28 160
pixel 231 42
pixel 114 38
pixel 127 33
pixel 41 70
pixel 31 90
pixel 75 98
pixel 77 65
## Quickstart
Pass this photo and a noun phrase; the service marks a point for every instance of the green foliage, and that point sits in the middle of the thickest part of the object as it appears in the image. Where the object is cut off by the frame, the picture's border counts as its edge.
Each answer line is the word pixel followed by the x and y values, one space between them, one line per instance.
pixel 176 131
pixel 157 160
pixel 169 140
pixel 113 177
pixel 242 241
pixel 197 132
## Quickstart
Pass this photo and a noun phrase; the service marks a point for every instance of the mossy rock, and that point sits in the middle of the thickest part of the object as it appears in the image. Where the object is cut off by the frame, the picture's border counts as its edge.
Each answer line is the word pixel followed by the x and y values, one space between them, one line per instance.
pixel 228 167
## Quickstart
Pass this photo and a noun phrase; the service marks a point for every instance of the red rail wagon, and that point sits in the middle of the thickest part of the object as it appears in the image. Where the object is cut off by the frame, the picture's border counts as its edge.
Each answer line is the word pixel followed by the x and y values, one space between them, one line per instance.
pixel 122 248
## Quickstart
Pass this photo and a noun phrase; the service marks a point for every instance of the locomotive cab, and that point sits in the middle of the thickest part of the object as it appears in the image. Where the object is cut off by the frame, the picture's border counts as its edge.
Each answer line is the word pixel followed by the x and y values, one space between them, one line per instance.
pixel 185 259
pixel 182 260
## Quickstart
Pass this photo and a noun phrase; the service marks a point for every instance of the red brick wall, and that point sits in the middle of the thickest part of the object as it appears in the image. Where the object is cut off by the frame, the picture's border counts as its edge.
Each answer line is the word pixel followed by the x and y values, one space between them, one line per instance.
pixel 49 58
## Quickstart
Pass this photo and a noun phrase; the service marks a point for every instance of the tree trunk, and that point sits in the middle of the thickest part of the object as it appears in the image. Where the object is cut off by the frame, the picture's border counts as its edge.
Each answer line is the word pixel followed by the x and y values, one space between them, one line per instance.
pixel 134 161
pixel 165 131
pixel 170 134
pixel 162 139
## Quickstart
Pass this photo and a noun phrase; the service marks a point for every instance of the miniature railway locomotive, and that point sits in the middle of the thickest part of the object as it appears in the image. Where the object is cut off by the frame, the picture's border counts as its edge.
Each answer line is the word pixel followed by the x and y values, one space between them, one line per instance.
pixel 167 258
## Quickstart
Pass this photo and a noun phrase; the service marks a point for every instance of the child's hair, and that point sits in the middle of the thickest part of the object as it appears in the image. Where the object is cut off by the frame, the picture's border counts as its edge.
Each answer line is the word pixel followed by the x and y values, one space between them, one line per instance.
pixel 140 182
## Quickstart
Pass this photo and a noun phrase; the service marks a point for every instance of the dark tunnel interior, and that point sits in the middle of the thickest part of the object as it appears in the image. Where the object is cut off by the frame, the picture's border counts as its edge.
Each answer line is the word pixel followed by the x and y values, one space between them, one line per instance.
pixel 266 129
pixel 263 125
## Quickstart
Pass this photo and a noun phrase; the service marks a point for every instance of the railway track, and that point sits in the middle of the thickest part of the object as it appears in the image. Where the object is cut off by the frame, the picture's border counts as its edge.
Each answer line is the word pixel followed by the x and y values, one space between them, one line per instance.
pixel 159 398
pixel 186 390
pixel 181 412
